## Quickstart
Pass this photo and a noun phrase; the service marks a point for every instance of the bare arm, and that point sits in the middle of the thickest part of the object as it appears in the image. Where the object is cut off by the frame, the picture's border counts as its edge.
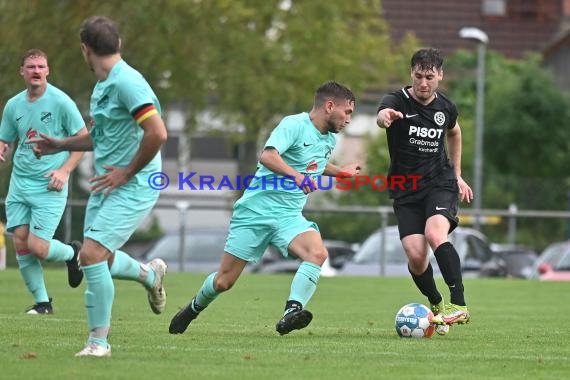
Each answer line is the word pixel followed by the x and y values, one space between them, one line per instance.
pixel 44 145
pixel 3 150
pixel 347 171
pixel 272 160
pixel 386 116
pixel 454 148
pixel 153 138
pixel 59 177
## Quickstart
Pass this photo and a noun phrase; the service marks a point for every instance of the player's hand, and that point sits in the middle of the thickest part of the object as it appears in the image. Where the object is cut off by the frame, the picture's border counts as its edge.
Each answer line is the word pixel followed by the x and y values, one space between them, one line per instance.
pixel 113 178
pixel 349 171
pixel 387 116
pixel 44 145
pixel 3 151
pixel 306 183
pixel 58 180
pixel 465 192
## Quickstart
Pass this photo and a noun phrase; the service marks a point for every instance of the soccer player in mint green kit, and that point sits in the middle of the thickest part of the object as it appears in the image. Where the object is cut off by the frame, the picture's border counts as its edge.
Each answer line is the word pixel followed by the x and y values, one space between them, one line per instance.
pixel 270 210
pixel 38 187
pixel 126 137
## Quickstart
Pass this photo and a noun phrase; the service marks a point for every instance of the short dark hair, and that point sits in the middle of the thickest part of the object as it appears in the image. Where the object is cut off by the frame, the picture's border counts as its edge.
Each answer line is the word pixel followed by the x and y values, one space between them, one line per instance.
pixel 33 53
pixel 100 34
pixel 333 90
pixel 427 59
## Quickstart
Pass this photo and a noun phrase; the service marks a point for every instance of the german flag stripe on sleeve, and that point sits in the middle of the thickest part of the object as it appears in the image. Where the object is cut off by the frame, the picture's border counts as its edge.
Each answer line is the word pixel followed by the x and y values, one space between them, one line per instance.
pixel 144 112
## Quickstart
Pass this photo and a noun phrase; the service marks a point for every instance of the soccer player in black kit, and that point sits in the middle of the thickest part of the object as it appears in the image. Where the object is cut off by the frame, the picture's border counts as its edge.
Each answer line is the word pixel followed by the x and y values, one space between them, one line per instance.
pixel 418 120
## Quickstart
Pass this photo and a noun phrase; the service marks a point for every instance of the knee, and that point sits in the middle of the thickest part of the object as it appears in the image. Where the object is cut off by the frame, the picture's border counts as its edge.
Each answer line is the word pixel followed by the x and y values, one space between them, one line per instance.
pixel 417 259
pixel 223 284
pixel 318 255
pixel 435 238
pixel 38 247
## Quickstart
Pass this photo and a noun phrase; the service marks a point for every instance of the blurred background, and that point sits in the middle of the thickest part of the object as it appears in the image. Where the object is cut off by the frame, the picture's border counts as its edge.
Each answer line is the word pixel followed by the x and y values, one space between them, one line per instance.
pixel 226 71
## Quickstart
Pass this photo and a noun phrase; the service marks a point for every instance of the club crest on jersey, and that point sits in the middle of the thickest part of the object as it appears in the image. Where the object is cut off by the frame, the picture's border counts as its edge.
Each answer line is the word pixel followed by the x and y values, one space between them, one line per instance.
pixel 103 101
pixel 46 117
pixel 439 118
pixel 312 167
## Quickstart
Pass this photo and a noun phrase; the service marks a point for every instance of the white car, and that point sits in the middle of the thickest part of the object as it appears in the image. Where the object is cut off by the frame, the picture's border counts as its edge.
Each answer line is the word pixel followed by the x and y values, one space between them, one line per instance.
pixel 369 260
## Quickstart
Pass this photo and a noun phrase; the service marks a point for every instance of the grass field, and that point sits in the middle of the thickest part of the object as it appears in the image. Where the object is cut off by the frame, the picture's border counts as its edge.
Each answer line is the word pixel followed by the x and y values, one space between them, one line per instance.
pixel 519 329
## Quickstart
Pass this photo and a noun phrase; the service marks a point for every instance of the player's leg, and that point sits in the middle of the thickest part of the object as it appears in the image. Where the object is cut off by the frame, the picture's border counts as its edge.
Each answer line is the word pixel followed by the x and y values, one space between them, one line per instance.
pixel 215 284
pixel 411 226
pixel 19 216
pixel 53 250
pixel 441 212
pixel 247 239
pixel 302 239
pixel 46 211
pixel 116 220
pixel 99 296
pixel 31 271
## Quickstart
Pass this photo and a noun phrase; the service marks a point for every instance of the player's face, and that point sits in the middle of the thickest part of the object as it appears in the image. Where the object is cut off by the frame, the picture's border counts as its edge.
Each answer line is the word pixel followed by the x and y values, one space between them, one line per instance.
pixel 85 53
pixel 425 83
pixel 340 115
pixel 35 71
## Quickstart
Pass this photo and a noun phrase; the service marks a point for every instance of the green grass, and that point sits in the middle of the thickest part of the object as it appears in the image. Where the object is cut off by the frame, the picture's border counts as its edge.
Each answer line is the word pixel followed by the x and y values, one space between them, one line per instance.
pixel 519 329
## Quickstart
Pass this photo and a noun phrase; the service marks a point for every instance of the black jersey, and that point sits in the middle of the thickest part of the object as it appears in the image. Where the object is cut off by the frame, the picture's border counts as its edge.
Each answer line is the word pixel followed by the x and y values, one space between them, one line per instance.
pixel 416 143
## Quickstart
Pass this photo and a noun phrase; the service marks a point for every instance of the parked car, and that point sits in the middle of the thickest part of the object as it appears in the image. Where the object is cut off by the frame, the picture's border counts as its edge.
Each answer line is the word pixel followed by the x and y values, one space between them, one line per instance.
pixel 203 248
pixel 510 260
pixel 553 264
pixel 471 245
pixel 273 261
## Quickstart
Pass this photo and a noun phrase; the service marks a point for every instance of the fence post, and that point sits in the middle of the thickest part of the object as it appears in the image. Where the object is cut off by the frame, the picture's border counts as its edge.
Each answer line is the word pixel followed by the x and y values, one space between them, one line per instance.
pixel 383 226
pixel 182 207
pixel 512 234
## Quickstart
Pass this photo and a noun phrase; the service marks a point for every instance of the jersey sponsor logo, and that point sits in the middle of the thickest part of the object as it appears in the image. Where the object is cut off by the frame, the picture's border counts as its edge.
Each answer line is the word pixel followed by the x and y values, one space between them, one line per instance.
pixel 312 167
pixel 306 145
pixel 38 228
pixel 408 116
pixel 440 208
pixel 19 118
pixel 439 118
pixel 432 133
pixel 31 133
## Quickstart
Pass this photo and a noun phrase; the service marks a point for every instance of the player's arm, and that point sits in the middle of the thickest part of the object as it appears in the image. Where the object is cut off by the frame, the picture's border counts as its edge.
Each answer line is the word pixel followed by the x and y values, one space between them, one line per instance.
pixel 347 171
pixel 45 144
pixel 60 176
pixel 454 151
pixel 154 136
pixel 272 160
pixel 4 150
pixel 7 132
pixel 386 116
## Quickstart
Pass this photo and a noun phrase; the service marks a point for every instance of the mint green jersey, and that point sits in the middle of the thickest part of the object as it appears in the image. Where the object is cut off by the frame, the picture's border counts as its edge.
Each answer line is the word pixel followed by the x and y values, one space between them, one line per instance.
pixel 115 133
pixel 303 147
pixel 53 114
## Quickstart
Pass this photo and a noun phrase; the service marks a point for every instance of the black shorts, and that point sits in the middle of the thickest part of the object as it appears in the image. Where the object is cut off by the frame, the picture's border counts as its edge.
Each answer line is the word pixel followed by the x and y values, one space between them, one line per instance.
pixel 442 199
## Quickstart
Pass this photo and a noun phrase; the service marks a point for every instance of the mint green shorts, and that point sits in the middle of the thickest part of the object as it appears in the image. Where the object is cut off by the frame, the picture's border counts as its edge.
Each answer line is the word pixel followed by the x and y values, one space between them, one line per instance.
pixel 40 209
pixel 111 220
pixel 251 232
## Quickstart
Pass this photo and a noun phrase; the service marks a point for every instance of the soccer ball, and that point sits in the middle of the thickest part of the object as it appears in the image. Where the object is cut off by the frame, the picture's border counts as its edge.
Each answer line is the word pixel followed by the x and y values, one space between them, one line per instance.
pixel 414 321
